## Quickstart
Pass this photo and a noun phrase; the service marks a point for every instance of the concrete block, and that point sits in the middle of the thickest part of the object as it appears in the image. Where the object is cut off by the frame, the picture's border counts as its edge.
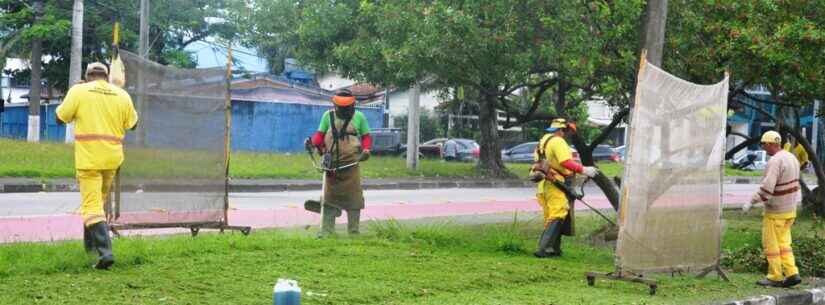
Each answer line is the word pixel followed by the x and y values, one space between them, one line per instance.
pixel 817 296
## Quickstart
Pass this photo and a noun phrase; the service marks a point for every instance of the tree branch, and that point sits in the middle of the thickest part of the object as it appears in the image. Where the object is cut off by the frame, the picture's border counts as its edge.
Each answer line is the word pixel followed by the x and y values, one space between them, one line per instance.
pixel 617 119
pixel 762 100
pixel 758 109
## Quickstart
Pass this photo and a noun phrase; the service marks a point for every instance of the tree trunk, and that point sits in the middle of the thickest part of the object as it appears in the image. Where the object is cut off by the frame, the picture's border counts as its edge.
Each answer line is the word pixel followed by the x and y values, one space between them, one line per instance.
pixel 655 19
pixel 489 162
pixel 34 93
pixel 741 146
pixel 609 189
pixel 816 197
pixel 76 56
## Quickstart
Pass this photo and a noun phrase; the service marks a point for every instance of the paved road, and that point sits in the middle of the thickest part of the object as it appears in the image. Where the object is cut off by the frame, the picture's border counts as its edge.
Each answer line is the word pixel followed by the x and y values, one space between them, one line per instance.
pixel 50 216
pixel 23 204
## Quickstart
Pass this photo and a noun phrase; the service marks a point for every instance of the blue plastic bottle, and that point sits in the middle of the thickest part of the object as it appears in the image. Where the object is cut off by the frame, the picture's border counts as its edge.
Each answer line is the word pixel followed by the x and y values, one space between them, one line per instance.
pixel 286 292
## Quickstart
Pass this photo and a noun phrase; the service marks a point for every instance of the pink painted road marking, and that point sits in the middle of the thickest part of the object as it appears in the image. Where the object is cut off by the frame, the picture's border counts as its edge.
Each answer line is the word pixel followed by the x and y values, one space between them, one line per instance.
pixel 68 227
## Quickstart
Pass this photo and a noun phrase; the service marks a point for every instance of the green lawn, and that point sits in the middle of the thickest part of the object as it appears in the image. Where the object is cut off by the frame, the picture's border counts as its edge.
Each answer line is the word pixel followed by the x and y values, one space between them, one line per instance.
pixel 51 160
pixel 392 263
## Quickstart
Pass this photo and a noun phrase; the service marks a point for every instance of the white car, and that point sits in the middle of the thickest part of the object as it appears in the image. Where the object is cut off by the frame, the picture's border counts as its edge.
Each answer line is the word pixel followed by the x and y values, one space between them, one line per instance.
pixel 760 160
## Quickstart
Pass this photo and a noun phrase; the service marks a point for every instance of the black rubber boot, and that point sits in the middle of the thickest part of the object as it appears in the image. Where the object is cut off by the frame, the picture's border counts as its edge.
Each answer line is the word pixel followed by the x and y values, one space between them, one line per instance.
pixel 556 243
pixel 102 244
pixel 544 242
pixel 315 206
pixel 88 242
pixel 769 283
pixel 328 222
pixel 791 281
pixel 353 222
pixel 550 241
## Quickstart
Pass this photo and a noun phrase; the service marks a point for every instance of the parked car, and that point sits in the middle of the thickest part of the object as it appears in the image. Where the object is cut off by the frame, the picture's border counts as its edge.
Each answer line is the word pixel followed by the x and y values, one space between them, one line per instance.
pixel 605 153
pixel 751 160
pixel 386 141
pixel 621 151
pixel 468 150
pixel 523 153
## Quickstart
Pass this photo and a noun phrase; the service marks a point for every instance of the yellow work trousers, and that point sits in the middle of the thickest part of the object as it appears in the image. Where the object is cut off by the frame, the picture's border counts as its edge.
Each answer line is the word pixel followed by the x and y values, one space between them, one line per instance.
pixel 94 188
pixel 776 244
pixel 553 202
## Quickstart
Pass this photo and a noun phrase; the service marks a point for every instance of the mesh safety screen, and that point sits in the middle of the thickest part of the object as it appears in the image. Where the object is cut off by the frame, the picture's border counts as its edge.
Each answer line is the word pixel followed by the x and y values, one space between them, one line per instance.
pixel 671 196
pixel 175 167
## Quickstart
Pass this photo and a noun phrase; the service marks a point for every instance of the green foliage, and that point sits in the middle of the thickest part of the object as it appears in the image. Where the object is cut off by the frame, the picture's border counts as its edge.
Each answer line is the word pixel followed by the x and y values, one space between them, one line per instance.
pixel 173 25
pixel 773 43
pixel 808 251
pixel 525 57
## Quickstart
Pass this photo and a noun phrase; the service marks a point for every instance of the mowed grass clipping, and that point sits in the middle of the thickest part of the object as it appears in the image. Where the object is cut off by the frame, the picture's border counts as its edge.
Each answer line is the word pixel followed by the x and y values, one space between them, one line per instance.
pixel 441 262
pixel 53 160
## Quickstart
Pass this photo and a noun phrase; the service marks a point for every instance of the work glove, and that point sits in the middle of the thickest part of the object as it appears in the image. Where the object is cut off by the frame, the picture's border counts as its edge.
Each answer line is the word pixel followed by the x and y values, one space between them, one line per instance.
pixel 536 176
pixel 365 155
pixel 308 144
pixel 590 171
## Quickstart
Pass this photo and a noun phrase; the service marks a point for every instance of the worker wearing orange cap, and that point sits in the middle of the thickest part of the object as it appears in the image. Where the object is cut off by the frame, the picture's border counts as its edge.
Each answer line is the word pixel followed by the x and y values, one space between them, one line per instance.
pixel 344 137
pixel 554 161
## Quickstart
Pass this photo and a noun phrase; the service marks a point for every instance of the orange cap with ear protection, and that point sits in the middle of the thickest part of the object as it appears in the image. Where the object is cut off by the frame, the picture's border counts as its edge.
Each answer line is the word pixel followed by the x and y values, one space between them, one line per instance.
pixel 343 101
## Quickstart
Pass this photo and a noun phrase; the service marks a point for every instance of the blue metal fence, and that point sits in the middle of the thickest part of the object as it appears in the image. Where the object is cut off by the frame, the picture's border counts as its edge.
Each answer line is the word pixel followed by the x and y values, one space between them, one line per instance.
pixel 256 126
pixel 281 127
pixel 14 122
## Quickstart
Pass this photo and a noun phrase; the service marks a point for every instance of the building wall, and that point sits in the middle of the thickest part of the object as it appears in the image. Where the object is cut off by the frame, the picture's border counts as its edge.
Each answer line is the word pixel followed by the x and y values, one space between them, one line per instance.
pixel 400 101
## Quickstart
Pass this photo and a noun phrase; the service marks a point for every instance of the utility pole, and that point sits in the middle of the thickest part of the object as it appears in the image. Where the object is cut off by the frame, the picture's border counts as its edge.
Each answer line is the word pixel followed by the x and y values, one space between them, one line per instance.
pixel 36 69
pixel 76 59
pixel 413 121
pixel 143 52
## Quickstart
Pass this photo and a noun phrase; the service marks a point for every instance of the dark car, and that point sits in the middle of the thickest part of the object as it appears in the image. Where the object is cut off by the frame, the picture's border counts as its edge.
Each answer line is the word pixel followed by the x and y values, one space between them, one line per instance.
pixel 523 153
pixel 386 141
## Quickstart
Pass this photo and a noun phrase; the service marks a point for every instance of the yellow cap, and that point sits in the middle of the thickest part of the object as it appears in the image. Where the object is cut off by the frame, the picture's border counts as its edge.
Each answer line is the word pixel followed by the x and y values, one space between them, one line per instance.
pixel 771 137
pixel 558 123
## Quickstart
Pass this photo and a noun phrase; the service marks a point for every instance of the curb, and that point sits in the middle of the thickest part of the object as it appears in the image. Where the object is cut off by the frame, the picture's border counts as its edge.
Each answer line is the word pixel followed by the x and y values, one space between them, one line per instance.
pixel 249 186
pixel 31 187
pixel 813 296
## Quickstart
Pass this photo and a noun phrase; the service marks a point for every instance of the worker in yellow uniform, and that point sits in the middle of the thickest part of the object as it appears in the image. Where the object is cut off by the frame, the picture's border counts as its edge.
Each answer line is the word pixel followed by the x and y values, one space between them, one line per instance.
pixel 554 161
pixel 798 152
pixel 102 113
pixel 780 193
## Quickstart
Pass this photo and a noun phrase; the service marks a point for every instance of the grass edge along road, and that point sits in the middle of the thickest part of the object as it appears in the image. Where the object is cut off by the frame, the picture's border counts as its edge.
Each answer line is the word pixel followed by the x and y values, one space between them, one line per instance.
pixel 55 160
pixel 437 262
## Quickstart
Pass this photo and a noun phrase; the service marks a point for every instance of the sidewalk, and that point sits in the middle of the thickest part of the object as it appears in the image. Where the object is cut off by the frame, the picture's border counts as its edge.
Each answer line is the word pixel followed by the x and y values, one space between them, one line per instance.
pixel 31 185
